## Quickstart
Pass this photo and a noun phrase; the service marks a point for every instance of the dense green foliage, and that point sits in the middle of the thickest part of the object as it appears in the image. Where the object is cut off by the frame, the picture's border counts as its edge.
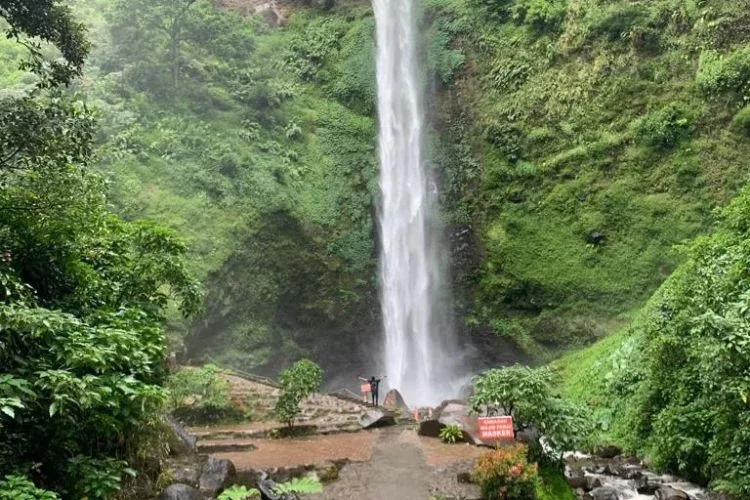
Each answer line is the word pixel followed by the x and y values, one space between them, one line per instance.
pixel 582 141
pixel 451 434
pixel 674 386
pixel 201 397
pixel 577 143
pixel 297 382
pixel 82 293
pixel 530 397
pixel 239 493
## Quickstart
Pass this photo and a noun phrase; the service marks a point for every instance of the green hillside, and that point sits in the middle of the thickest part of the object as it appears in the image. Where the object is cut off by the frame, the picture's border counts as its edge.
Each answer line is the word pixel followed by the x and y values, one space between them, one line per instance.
pixel 577 143
pixel 592 156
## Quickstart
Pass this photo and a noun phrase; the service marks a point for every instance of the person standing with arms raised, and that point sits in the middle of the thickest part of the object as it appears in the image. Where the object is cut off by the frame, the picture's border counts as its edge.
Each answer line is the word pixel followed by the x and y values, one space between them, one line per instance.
pixel 374 386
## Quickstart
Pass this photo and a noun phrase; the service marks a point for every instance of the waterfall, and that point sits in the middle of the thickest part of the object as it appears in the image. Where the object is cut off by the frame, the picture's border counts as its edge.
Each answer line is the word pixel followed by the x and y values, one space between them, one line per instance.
pixel 420 346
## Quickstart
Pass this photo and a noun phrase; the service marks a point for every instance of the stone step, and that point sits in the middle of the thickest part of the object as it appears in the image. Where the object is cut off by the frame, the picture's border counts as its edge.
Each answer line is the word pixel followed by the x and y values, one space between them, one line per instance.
pixel 225 446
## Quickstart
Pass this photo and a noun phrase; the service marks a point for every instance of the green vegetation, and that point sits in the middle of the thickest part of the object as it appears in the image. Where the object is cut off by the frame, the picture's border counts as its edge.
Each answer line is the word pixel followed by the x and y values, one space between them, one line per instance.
pixel 451 434
pixel 674 385
pixel 529 396
pixel 239 493
pixel 582 142
pixel 301 485
pixel 83 294
pixel 20 488
pixel 201 397
pixel 506 474
pixel 297 382
pixel 580 146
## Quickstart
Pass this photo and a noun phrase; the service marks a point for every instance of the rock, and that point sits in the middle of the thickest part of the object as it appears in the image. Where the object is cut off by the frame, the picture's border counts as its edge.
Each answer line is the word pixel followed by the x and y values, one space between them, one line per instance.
pixel 668 493
pixel 610 451
pixel 578 479
pixel 268 490
pixel 430 428
pixel 187 474
pixel 646 487
pixel 602 493
pixel 182 442
pixel 327 472
pixel 453 414
pixel 394 401
pixel 217 474
pixel 180 492
pixel 464 478
pixel 376 418
pixel 575 477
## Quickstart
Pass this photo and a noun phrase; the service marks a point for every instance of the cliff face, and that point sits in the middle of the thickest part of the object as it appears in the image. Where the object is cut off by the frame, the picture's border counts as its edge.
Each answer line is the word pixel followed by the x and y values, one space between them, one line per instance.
pixel 579 144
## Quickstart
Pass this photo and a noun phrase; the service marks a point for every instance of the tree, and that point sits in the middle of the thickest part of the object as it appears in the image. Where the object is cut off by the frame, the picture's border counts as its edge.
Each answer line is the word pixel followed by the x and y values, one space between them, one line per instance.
pixel 528 395
pixel 82 293
pixel 142 27
pixel 51 22
pixel 302 379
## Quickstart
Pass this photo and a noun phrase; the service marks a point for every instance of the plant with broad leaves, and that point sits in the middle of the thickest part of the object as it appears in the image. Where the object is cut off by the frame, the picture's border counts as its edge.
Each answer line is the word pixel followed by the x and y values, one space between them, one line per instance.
pixel 20 488
pixel 297 382
pixel 451 433
pixel 528 395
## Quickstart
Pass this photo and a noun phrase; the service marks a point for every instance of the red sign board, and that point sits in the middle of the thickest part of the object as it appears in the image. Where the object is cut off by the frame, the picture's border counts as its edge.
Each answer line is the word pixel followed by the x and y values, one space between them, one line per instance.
pixel 495 428
pixel 365 388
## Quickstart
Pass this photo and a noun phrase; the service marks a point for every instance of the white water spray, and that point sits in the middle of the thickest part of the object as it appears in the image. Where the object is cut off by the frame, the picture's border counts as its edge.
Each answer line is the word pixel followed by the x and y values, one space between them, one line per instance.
pixel 420 345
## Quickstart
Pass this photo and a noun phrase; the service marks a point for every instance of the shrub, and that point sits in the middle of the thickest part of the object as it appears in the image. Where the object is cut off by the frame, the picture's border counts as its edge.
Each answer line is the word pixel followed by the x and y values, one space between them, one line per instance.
pixel 506 474
pixel 297 382
pixel 542 15
pixel 199 396
pixel 239 493
pixel 742 120
pixel 304 485
pixel 664 128
pixel 528 395
pixel 617 22
pixel 718 74
pixel 20 488
pixel 451 434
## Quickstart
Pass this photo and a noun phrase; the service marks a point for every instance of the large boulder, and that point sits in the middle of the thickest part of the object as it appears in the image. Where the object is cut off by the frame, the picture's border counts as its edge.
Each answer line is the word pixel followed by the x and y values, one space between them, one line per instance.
pixel 376 418
pixel 453 413
pixel 181 442
pixel 394 401
pixel 668 493
pixel 602 493
pixel 180 492
pixel 577 478
pixel 430 428
pixel 217 474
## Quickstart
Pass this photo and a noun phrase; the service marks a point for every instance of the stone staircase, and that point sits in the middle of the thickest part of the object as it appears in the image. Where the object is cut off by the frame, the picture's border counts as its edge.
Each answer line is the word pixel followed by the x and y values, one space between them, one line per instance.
pixel 319 414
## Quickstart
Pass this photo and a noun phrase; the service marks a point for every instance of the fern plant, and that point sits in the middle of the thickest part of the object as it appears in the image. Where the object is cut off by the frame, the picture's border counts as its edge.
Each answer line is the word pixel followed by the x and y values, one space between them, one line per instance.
pixel 304 485
pixel 237 492
pixel 451 434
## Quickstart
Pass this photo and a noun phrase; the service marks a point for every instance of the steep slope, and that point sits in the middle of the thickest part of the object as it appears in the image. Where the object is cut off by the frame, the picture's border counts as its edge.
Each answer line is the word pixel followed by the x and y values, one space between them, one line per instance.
pixel 577 142
pixel 582 141
pixel 674 385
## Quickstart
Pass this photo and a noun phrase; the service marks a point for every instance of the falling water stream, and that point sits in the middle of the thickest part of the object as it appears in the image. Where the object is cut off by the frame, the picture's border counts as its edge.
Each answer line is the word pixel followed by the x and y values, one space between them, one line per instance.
pixel 420 346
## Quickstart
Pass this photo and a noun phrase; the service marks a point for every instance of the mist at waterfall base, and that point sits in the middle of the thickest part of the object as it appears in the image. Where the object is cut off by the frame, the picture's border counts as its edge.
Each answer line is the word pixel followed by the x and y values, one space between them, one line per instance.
pixel 421 355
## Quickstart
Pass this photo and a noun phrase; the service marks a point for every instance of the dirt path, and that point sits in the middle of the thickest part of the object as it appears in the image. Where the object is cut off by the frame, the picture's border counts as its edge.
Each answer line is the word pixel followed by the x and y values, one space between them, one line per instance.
pixel 397 471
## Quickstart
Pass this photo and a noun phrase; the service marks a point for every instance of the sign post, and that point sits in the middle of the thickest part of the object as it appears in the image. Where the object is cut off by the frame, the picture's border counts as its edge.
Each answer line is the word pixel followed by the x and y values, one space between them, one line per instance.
pixel 365 388
pixel 496 428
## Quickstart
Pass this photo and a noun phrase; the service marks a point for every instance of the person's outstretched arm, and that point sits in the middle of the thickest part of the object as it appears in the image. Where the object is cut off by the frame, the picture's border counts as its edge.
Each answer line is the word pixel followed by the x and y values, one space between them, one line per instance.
pixel 363 379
